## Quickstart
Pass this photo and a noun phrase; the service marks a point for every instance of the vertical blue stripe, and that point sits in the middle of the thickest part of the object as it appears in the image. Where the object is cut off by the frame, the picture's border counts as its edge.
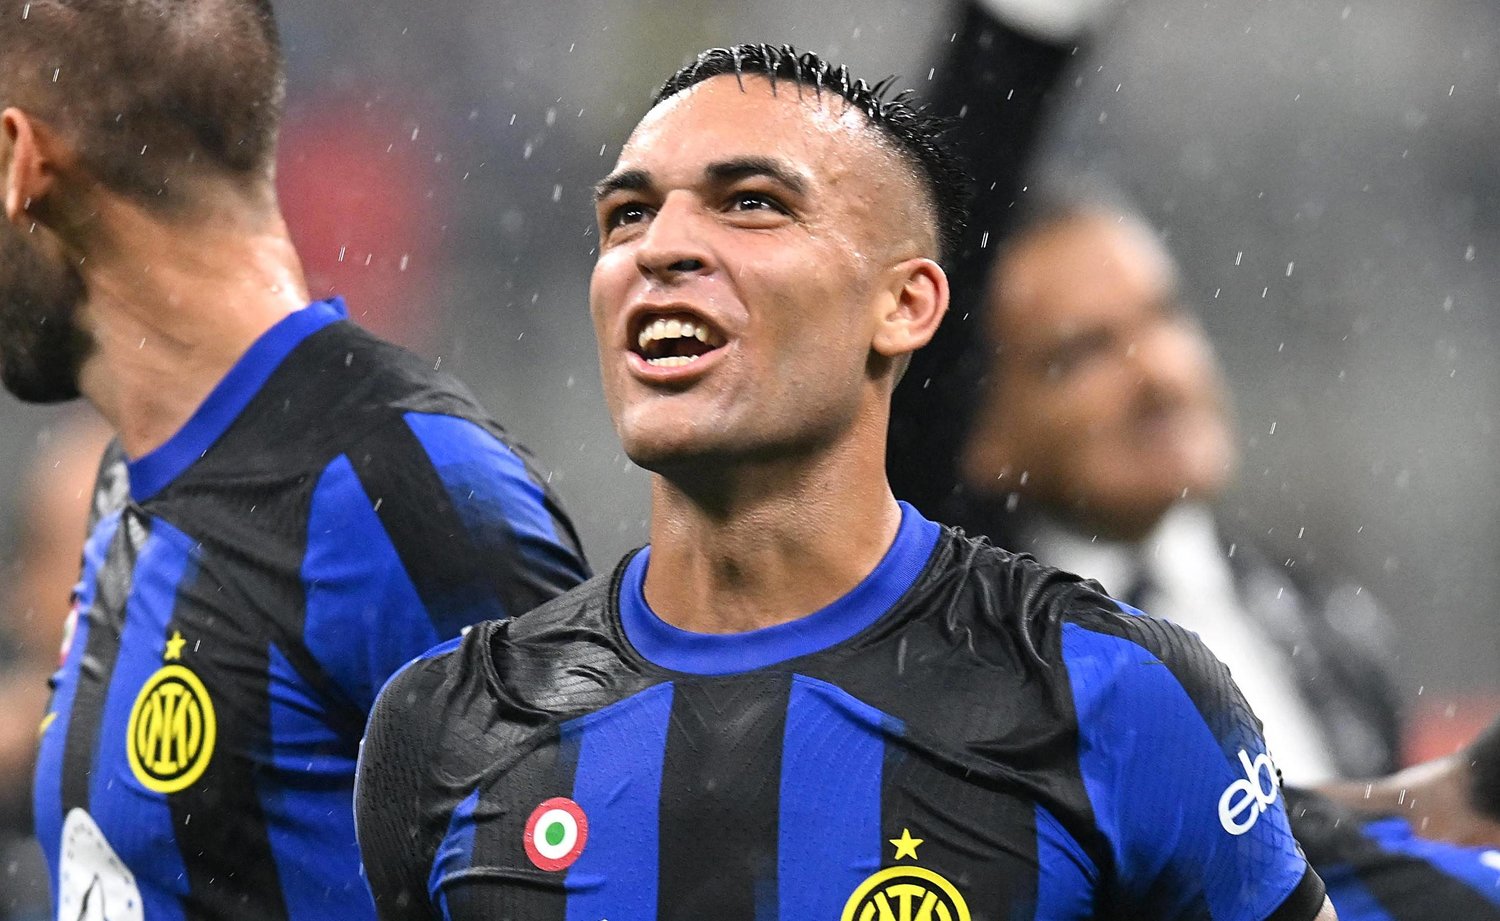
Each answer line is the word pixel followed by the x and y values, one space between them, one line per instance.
pixel 492 489
pixel 833 755
pixel 455 852
pixel 1067 879
pixel 1350 898
pixel 618 787
pixel 364 619
pixel 308 804
pixel 47 792
pixel 136 821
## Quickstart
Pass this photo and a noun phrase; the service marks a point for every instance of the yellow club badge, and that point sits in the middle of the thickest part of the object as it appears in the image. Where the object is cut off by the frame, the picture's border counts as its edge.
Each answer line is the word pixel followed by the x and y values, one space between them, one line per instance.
pixel 172 730
pixel 906 892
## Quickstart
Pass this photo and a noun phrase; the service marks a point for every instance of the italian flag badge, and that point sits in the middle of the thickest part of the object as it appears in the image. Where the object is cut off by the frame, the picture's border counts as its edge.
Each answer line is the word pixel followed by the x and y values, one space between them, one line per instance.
pixel 556 833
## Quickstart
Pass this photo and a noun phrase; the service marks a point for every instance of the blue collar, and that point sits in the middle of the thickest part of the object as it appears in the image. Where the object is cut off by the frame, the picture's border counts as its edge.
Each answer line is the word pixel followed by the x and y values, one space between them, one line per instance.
pixel 150 474
pixel 728 653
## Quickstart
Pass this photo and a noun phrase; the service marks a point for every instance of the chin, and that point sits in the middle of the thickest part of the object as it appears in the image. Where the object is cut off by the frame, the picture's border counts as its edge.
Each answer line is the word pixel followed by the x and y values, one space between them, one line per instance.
pixel 661 452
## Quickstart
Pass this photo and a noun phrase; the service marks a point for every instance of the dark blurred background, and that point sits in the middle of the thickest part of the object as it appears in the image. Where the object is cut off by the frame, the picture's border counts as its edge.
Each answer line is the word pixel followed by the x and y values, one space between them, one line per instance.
pixel 1326 172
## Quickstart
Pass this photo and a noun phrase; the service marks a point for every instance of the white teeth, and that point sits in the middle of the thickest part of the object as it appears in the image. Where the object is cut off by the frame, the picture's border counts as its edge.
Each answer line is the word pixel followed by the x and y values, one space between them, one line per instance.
pixel 672 361
pixel 675 329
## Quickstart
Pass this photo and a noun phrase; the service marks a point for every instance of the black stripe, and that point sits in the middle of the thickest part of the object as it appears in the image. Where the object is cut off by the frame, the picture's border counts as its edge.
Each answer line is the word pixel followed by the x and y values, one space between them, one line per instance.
pixel 458 586
pixel 218 820
pixel 106 618
pixel 1307 900
pixel 720 799
pixel 976 833
pixel 524 890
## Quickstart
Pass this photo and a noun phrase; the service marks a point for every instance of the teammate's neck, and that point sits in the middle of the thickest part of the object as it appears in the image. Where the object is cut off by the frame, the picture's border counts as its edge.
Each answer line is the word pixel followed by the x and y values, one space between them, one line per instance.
pixel 173 307
pixel 772 546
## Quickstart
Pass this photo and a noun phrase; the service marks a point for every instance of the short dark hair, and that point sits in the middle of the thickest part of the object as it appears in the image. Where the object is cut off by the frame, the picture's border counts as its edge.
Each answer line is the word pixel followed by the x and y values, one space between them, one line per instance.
pixel 917 134
pixel 150 90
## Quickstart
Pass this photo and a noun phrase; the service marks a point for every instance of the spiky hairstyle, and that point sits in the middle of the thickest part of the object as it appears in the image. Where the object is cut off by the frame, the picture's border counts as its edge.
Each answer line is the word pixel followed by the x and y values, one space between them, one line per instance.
pixel 917 135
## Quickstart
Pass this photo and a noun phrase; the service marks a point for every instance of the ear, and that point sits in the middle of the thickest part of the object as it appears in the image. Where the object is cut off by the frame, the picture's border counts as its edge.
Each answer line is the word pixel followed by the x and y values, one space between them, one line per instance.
pixel 910 317
pixel 28 158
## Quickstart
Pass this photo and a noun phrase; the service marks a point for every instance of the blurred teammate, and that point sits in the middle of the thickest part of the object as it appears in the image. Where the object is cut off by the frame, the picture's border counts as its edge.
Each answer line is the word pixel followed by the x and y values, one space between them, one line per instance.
pixel 292 508
pixel 1421 845
pixel 803 699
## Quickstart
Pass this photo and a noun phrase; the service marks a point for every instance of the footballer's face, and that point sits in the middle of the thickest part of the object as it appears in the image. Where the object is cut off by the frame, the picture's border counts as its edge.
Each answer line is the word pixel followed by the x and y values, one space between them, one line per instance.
pixel 1106 395
pixel 748 240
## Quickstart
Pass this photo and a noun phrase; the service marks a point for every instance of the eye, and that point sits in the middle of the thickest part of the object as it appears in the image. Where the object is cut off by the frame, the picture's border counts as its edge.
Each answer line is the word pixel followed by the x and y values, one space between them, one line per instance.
pixel 625 214
pixel 755 201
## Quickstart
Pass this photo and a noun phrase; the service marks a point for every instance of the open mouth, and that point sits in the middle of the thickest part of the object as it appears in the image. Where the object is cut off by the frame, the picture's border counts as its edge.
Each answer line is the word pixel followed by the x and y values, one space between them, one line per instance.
pixel 674 341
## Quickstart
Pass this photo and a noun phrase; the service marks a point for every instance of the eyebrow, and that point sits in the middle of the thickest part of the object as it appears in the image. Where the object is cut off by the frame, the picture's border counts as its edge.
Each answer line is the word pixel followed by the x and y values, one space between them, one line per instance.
pixel 637 180
pixel 631 180
pixel 743 167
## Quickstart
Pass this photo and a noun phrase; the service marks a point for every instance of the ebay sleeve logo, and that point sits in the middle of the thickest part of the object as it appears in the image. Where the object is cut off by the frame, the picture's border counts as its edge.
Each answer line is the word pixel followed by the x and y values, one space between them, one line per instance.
pixel 1243 803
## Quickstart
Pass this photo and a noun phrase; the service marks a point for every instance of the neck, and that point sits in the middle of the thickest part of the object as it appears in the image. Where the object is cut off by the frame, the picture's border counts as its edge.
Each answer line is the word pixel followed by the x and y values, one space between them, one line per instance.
pixel 173 306
pixel 770 543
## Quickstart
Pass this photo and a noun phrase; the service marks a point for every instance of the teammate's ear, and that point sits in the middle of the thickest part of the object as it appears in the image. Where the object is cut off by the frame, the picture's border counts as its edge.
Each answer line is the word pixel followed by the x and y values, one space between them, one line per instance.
pixel 27 161
pixel 910 316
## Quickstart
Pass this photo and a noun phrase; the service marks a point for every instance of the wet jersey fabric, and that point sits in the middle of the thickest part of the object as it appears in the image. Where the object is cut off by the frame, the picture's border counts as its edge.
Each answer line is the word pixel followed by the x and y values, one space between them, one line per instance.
pixel 965 735
pixel 1380 869
pixel 333 509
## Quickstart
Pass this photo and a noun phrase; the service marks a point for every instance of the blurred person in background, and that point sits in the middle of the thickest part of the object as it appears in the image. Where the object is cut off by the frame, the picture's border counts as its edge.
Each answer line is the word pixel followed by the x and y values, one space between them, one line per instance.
pixel 1071 407
pixel 1100 441
pixel 291 508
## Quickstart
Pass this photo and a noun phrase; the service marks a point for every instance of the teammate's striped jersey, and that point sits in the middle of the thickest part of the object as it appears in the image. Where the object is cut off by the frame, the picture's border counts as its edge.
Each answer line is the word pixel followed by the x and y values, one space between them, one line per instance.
pixel 332 509
pixel 1380 869
pixel 964 735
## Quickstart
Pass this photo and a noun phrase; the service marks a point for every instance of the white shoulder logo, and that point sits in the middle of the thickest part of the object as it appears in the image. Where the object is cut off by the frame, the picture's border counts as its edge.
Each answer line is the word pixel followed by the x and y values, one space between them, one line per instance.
pixel 1243 803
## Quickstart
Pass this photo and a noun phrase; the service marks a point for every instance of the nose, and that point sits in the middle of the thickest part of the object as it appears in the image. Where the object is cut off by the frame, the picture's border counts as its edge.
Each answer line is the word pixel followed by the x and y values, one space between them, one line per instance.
pixel 674 243
pixel 1176 362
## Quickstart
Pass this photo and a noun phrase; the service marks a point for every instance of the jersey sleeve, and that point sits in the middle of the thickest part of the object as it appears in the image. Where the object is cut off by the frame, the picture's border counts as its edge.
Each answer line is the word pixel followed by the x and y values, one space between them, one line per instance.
pixel 1180 782
pixel 397 839
pixel 431 524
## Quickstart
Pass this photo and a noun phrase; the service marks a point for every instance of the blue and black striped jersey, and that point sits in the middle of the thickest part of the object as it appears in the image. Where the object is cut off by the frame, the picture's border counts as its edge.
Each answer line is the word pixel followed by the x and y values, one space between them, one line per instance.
pixel 965 735
pixel 333 509
pixel 1379 869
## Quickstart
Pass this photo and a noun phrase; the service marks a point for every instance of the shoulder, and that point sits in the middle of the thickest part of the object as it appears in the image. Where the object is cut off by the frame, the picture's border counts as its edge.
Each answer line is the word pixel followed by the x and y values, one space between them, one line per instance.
pixel 553 658
pixel 1109 652
pixel 380 382
pixel 997 590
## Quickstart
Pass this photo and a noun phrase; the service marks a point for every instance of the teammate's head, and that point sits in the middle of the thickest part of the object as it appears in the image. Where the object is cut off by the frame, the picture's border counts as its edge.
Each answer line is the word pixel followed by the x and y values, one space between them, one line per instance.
pixel 1104 399
pixel 158 103
pixel 768 258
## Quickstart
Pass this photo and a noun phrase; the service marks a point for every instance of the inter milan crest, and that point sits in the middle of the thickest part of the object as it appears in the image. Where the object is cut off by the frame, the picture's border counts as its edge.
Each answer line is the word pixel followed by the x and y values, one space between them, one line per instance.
pixel 172 730
pixel 906 893
pixel 556 833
